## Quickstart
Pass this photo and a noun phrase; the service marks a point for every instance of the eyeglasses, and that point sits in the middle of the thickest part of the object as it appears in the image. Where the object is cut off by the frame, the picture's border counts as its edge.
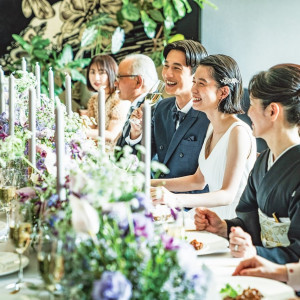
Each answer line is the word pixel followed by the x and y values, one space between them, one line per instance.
pixel 123 76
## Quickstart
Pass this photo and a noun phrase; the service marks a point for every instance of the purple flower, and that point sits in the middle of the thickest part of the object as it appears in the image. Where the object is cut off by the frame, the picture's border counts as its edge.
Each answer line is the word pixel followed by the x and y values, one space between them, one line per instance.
pixel 41 164
pixel 143 226
pixel 174 213
pixel 112 286
pixel 26 148
pixel 52 200
pixel 4 131
pixel 3 117
pixel 169 242
pixel 143 202
pixel 75 149
pixel 26 193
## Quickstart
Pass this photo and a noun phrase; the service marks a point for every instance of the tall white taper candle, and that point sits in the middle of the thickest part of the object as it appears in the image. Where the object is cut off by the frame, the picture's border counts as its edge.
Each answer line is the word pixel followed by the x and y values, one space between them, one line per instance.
pixel 101 116
pixel 32 126
pixel 11 105
pixel 24 66
pixel 147 144
pixel 38 84
pixel 68 94
pixel 2 101
pixel 51 84
pixel 60 152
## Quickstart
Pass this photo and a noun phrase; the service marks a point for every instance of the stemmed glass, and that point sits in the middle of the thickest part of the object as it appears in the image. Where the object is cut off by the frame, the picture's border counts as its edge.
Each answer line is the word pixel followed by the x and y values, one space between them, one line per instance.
pixel 152 97
pixel 51 261
pixel 20 234
pixel 7 194
pixel 175 228
pixel 155 92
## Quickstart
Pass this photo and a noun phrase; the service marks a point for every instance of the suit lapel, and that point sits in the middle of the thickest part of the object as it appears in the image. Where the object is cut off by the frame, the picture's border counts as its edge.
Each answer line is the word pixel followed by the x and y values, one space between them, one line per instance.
pixel 178 135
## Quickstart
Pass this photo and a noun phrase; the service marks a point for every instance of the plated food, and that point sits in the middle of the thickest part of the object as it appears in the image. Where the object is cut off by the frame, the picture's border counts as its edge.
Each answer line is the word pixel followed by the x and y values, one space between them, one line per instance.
pixel 205 242
pixel 247 287
pixel 230 293
pixel 197 245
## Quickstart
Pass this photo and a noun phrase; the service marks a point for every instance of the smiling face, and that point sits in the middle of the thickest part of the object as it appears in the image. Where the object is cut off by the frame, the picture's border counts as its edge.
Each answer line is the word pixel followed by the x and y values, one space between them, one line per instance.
pixel 205 90
pixel 258 116
pixel 127 86
pixel 177 75
pixel 98 77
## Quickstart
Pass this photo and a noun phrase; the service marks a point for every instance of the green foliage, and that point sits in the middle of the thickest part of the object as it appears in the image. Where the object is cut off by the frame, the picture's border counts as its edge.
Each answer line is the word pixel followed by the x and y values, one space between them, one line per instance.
pixel 158 17
pixel 229 291
pixel 95 32
pixel 40 50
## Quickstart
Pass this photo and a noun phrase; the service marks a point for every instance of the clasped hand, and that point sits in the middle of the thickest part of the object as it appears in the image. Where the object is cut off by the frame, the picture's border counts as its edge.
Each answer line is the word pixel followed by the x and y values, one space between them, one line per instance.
pixel 136 119
pixel 240 243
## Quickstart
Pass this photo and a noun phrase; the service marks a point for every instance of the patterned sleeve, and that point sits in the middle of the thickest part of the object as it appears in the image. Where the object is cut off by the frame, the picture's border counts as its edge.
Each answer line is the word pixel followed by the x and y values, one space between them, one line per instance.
pixel 91 107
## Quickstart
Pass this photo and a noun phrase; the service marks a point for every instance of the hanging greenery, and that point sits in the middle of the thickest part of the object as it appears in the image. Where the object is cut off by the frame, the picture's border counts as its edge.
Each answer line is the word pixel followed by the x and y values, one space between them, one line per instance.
pixel 158 17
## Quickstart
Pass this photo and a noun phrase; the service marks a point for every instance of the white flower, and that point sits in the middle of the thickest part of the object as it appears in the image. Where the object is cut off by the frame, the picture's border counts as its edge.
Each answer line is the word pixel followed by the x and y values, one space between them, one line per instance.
pixel 50 162
pixel 85 218
pixel 227 81
pixel 117 40
pixel 187 260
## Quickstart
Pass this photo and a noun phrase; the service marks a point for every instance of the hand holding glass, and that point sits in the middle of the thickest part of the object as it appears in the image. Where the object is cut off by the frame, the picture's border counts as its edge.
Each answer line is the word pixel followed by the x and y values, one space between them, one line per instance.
pixel 152 97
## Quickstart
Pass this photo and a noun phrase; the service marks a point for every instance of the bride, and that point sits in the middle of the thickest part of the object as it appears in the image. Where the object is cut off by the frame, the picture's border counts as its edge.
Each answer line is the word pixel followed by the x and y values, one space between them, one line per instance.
pixel 229 150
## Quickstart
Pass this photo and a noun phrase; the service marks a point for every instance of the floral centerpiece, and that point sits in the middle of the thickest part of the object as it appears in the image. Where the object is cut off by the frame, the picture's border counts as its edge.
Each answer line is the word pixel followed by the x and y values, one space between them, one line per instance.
pixel 113 250
pixel 111 246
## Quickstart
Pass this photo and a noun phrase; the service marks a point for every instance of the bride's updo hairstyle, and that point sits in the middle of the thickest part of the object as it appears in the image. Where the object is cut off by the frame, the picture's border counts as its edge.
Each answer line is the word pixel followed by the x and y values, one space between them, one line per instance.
pixel 280 84
pixel 225 71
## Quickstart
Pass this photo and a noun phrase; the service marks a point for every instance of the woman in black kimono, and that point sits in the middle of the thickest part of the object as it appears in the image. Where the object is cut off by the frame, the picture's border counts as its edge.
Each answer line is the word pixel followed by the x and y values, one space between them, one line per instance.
pixel 268 214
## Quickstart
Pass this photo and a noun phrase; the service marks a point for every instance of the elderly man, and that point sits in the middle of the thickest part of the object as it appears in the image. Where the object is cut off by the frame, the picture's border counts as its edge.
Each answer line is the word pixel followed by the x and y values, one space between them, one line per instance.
pixel 137 74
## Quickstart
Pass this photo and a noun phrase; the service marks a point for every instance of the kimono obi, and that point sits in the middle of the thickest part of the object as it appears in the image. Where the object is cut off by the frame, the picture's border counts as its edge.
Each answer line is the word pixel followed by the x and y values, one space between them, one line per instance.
pixel 274 234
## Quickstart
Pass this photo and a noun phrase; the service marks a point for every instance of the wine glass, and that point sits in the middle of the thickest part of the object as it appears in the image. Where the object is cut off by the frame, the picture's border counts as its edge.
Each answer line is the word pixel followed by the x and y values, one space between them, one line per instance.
pixel 155 92
pixel 51 261
pixel 20 234
pixel 175 228
pixel 151 97
pixel 7 194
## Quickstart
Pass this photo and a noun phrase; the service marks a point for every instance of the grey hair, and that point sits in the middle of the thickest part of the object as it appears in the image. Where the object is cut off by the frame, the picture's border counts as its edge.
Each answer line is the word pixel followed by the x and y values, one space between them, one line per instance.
pixel 144 66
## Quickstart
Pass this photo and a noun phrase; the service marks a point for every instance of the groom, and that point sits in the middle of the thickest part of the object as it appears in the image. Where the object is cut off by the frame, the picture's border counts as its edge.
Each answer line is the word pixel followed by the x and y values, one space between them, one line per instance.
pixel 178 131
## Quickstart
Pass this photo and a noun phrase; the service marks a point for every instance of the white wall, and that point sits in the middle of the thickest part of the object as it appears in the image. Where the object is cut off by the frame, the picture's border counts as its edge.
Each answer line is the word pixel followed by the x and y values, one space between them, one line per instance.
pixel 256 33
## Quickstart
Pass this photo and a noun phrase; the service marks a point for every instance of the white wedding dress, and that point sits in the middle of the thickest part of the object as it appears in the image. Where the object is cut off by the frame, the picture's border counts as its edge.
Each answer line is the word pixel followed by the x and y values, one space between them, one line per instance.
pixel 213 167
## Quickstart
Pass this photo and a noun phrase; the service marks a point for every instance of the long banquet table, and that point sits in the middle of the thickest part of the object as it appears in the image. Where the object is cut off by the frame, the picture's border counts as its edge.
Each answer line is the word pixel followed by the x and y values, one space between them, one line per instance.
pixel 220 264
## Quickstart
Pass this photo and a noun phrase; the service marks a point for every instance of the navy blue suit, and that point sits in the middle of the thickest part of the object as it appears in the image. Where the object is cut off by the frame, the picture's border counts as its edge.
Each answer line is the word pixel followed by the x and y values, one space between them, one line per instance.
pixel 177 149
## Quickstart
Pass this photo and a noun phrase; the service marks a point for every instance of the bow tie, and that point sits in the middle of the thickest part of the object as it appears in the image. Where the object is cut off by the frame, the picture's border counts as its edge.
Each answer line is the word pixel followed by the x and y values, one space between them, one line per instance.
pixel 177 115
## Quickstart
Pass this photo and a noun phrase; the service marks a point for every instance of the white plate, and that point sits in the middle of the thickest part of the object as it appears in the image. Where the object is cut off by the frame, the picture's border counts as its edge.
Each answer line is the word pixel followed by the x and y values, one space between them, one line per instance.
pixel 212 243
pixel 9 262
pixel 270 289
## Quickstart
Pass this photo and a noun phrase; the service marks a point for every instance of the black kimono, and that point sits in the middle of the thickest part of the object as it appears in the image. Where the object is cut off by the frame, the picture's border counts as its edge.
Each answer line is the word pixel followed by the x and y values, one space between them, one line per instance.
pixel 276 190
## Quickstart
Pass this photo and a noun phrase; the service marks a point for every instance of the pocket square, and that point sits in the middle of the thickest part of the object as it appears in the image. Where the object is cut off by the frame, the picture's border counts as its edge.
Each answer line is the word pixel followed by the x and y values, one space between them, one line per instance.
pixel 191 138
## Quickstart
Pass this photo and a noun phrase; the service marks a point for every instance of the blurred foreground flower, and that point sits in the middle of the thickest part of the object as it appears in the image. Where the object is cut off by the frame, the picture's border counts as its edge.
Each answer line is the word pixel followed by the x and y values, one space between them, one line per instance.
pixel 85 218
pixel 112 286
